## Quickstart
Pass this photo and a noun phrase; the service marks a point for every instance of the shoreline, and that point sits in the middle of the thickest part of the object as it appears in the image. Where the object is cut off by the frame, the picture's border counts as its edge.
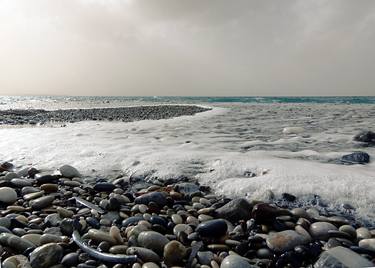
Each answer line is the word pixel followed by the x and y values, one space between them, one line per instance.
pixel 162 224
pixel 124 114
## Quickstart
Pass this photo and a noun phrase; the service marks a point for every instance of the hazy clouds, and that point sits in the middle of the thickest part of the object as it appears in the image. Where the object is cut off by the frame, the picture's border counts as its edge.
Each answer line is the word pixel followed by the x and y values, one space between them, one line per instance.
pixel 192 47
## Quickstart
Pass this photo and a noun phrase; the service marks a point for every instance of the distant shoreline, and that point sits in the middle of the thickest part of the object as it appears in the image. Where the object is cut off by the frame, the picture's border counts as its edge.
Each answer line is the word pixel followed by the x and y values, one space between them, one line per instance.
pixel 124 114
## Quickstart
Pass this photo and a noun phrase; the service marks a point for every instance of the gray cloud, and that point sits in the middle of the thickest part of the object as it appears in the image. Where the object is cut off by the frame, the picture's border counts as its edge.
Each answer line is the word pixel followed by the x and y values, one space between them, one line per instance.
pixel 195 47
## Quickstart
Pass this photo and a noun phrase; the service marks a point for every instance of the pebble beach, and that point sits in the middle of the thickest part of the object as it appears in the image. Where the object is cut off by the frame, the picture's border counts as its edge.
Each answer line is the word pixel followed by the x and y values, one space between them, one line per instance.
pixel 65 219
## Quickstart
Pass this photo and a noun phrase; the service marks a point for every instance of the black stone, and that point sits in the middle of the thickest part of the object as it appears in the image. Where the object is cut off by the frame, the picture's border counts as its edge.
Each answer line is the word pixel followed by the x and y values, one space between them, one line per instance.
pixel 158 220
pixel 66 227
pixel 104 187
pixel 289 197
pixel 70 260
pixel 212 228
pixel 265 213
pixel 93 222
pixel 157 197
pixel 365 136
pixel 131 221
pixel 46 178
pixel 356 158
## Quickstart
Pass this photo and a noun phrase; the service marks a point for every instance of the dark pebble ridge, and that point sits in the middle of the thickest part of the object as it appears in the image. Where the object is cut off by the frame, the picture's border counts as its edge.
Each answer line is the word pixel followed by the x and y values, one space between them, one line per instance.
pixel 66 220
pixel 125 114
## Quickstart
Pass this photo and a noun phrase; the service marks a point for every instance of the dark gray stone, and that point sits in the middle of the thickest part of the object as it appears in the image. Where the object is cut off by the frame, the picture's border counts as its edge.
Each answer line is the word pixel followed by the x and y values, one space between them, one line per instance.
pixel 235 210
pixel 365 136
pixel 356 158
pixel 157 197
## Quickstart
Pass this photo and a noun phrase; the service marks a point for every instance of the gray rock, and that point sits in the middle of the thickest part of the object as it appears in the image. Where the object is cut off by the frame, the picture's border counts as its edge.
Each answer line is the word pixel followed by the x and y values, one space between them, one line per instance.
pixel 235 210
pixel 19 183
pixel 157 197
pixel 150 265
pixel 319 230
pixel 234 261
pixel 16 261
pixel 363 233
pixel 5 222
pixel 50 238
pixel 8 195
pixel 46 256
pixel 53 219
pixel 9 176
pixel 340 257
pixel 42 202
pixel 205 257
pixel 100 236
pixel 153 240
pixel 17 243
pixel 349 230
pixel 285 240
pixel 145 254
pixel 69 171
pixel 368 244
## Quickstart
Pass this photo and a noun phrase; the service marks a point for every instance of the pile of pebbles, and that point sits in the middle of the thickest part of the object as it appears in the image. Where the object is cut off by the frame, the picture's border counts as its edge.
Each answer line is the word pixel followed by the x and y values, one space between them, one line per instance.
pixel 62 219
pixel 125 114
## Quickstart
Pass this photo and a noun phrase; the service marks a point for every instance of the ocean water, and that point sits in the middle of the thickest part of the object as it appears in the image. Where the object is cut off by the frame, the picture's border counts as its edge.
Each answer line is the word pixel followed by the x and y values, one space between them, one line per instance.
pixel 242 147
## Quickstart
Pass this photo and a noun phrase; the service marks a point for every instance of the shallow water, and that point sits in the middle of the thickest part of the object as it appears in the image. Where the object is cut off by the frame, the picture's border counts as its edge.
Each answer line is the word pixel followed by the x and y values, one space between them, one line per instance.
pixel 220 148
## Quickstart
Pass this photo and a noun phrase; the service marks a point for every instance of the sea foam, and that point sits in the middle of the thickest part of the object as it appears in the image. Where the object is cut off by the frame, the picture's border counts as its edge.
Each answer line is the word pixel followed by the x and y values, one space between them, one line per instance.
pixel 220 148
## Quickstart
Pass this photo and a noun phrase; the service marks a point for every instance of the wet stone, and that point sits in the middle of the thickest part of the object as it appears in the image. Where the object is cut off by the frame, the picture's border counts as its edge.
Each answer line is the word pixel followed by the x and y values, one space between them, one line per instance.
pixel 205 257
pixel 156 197
pixel 70 259
pixel 368 244
pixel 146 255
pixel 285 240
pixel 49 187
pixel 104 187
pixel 45 256
pixel 13 241
pixel 174 253
pixel 237 209
pixel 213 228
pixel 233 261
pixel 16 261
pixel 19 183
pixel 319 230
pixel 42 202
pixel 68 171
pixel 363 233
pixel 349 230
pixel 152 240
pixel 100 236
pixel 182 228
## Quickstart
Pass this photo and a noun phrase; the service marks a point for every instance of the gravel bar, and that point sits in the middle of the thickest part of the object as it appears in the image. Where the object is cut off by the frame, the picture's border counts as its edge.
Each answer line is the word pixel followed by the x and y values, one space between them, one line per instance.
pixel 125 114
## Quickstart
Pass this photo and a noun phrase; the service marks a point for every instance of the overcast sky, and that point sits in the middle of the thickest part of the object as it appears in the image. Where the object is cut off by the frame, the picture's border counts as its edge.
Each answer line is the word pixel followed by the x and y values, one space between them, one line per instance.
pixel 189 47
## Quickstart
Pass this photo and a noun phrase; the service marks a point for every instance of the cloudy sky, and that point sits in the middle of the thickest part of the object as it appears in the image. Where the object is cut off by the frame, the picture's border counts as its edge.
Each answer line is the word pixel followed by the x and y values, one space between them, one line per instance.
pixel 190 47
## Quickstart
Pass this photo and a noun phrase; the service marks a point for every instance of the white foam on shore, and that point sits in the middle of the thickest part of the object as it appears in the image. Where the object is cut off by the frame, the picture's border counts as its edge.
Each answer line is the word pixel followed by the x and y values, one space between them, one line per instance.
pixel 209 147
